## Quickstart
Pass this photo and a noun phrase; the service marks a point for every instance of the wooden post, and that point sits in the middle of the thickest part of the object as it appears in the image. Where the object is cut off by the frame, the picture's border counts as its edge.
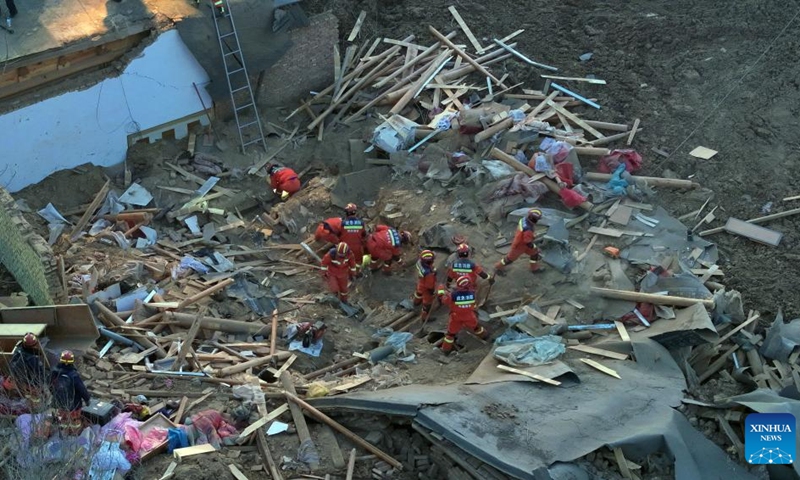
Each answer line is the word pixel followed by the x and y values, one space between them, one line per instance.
pixel 344 431
pixel 187 344
pixel 214 323
pixel 209 291
pixel 351 465
pixel 228 371
pixel 297 414
pixel 334 367
pixel 273 338
pixel 651 298
pixel 654 181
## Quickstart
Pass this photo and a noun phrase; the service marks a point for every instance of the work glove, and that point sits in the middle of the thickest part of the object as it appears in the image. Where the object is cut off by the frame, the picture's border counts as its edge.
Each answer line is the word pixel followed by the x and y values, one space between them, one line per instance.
pixel 284 196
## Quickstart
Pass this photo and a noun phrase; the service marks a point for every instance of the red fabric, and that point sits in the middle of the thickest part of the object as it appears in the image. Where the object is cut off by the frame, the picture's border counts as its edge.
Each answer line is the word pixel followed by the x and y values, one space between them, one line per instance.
pixel 379 245
pixel 461 316
pixel 571 198
pixel 333 236
pixel 337 284
pixel 285 180
pixel 518 250
pixel 523 237
pixel 565 171
pixel 631 159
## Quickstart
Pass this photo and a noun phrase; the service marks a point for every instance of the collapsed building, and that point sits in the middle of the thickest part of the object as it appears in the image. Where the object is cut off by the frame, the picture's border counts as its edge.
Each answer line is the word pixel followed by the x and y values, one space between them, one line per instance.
pixel 139 231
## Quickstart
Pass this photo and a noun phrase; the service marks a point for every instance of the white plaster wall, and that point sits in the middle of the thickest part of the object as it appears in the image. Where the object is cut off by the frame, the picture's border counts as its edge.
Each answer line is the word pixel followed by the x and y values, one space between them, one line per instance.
pixel 93 125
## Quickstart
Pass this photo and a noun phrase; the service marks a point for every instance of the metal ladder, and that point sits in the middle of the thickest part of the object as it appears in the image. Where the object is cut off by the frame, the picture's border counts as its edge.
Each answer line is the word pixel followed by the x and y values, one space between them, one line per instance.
pixel 242 101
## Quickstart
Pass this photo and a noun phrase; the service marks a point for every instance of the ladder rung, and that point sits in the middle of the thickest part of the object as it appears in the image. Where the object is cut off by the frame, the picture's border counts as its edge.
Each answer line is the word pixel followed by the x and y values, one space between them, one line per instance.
pixel 239 89
pixel 236 71
pixel 244 106
pixel 232 53
pixel 257 140
pixel 248 124
pixel 227 35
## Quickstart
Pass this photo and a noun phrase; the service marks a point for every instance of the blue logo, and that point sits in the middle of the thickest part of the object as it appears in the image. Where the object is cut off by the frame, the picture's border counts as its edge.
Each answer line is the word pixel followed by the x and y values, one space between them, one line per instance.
pixel 769 438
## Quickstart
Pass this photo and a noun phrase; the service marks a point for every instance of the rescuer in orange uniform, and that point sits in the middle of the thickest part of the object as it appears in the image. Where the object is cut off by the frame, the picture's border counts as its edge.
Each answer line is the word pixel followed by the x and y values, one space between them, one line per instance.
pixel 338 268
pixel 523 243
pixel 463 303
pixel 463 265
pixel 385 246
pixel 283 180
pixel 329 231
pixel 426 283
pixel 354 233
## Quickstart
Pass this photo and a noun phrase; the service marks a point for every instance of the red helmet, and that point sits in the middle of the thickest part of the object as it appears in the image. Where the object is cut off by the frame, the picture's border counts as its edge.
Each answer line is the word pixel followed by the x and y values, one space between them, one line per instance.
pixel 351 209
pixel 534 215
pixel 342 249
pixel 463 282
pixel 426 256
pixel 463 250
pixel 30 340
pixel 405 237
pixel 67 357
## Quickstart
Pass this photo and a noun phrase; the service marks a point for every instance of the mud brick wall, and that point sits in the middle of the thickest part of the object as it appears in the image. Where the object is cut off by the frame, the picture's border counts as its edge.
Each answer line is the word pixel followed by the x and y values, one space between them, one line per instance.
pixel 306 66
pixel 27 255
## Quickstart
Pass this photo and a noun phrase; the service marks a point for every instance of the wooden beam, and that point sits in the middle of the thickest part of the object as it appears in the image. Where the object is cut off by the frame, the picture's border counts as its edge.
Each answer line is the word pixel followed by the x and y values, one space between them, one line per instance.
pixel 717 364
pixel 297 415
pixel 623 332
pixel 739 327
pixel 344 431
pixel 262 422
pixel 351 465
pixel 572 117
pixel 651 298
pixel 181 453
pixel 186 345
pixel 633 132
pixel 652 181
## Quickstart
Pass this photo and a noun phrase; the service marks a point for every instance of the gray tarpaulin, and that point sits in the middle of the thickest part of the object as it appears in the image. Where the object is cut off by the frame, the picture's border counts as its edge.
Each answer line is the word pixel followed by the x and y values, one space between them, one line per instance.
pixel 557 424
pixel 669 238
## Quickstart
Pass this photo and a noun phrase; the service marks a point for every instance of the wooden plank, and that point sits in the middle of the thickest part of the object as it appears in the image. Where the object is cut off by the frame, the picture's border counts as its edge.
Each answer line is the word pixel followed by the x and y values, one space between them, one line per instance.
pixel 575 304
pixel 181 411
pixel 599 351
pixel 357 26
pixel 738 327
pixel 622 463
pixel 621 216
pixel 574 119
pixel 553 312
pixel 594 81
pixel 600 367
pixel 477 66
pixel 639 206
pixel 623 333
pixel 533 376
pixel 199 180
pixel 633 132
pixel 612 232
pixel 461 23
pixel 717 364
pixel 170 471
pixel 236 472
pixel 702 271
pixel 87 215
pixel 352 384
pixel 262 422
pixel 703 153
pixel 753 232
pixel 503 313
pixel 539 315
pixel 337 70
pixel 181 453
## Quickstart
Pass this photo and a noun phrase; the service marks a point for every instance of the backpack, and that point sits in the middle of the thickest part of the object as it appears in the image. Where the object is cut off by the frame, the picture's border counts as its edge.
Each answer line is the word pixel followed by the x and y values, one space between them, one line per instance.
pixel 63 390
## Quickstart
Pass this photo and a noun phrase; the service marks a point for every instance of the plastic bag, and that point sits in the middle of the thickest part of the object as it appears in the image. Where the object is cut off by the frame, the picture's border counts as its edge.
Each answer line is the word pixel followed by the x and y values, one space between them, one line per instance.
pixel 316 390
pixel 498 169
pixel 515 319
pixel 307 453
pixel 530 352
pixel 398 341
